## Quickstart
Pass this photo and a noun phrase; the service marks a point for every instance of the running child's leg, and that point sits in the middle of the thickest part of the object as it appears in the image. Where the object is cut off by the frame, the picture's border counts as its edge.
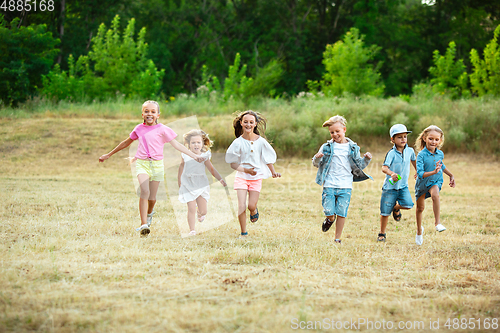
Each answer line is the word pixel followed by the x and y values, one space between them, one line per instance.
pixel 191 214
pixel 143 200
pixel 242 209
pixel 434 191
pixel 339 226
pixel 253 198
pixel 419 212
pixel 383 223
pixel 153 189
pixel 202 206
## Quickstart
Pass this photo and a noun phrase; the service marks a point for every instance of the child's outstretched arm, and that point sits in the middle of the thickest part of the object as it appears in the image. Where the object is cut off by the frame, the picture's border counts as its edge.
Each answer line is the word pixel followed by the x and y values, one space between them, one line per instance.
pixel 124 144
pixel 214 172
pixel 186 151
pixel 433 172
pixel 273 172
pixel 452 179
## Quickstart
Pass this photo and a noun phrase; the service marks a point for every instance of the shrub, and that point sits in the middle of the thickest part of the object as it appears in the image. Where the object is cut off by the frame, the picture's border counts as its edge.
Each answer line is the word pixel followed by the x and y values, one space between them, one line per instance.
pixel 485 78
pixel 349 68
pixel 449 76
pixel 25 54
pixel 117 66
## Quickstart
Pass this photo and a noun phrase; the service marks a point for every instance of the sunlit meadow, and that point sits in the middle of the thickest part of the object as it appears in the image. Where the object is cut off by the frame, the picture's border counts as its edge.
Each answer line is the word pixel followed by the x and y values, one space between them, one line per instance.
pixel 71 260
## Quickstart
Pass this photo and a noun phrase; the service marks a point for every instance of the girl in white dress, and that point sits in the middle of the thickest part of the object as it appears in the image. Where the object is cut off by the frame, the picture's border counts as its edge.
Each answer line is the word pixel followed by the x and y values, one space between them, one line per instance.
pixel 194 188
pixel 252 157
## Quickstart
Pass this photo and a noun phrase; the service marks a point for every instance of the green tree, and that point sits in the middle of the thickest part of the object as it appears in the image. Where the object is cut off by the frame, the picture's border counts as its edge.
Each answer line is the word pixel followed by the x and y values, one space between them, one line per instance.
pixel 485 78
pixel 26 53
pixel 117 65
pixel 449 76
pixel 349 67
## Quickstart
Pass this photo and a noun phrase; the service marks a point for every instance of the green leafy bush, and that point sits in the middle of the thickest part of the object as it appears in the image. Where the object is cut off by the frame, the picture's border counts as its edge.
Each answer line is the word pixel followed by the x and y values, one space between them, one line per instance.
pixel 25 54
pixel 349 68
pixel 485 78
pixel 117 66
pixel 449 76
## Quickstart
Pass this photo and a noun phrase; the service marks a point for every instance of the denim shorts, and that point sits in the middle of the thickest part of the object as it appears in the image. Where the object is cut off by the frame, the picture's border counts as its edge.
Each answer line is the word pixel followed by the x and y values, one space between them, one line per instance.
pixel 389 198
pixel 336 201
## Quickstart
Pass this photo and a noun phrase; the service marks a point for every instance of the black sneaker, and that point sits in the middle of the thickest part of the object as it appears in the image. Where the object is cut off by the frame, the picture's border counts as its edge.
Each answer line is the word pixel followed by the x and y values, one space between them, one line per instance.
pixel 327 224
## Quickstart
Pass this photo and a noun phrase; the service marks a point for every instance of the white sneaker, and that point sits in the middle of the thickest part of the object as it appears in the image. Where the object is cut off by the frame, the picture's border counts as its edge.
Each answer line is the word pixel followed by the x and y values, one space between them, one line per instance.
pixel 440 227
pixel 192 233
pixel 150 218
pixel 202 218
pixel 419 239
pixel 143 229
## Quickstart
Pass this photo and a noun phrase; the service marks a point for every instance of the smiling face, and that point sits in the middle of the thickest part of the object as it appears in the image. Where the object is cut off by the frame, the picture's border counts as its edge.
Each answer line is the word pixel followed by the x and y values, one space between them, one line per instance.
pixel 432 140
pixel 248 123
pixel 337 132
pixel 196 144
pixel 150 114
pixel 400 140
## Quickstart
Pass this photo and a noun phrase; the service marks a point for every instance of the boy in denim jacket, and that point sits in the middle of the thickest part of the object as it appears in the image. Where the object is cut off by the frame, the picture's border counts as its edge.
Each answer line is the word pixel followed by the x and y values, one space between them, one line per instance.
pixel 339 164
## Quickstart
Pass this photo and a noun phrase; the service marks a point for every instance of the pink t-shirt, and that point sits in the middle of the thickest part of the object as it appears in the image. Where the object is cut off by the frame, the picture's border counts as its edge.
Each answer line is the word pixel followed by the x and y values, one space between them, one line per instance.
pixel 151 140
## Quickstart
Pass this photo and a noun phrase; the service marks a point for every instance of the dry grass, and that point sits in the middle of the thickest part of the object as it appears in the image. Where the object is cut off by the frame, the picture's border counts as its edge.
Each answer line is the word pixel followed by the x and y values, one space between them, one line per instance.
pixel 71 261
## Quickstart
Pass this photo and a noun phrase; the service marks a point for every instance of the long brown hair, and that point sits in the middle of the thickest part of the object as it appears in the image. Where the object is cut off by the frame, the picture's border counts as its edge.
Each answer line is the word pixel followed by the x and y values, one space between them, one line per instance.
pixel 259 129
pixel 420 143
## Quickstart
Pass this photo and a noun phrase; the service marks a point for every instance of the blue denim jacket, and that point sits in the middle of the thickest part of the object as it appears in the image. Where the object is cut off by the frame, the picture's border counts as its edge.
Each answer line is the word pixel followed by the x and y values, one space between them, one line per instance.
pixel 357 162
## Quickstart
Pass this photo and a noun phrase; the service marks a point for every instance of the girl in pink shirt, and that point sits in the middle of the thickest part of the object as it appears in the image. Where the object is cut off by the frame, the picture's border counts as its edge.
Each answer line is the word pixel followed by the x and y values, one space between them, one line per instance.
pixel 149 158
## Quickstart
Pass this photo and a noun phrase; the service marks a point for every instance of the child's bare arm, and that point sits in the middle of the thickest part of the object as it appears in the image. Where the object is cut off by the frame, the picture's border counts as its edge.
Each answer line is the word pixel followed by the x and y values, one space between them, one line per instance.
pixel 179 174
pixel 452 179
pixel 124 144
pixel 214 172
pixel 273 172
pixel 392 174
pixel 238 167
pixel 186 151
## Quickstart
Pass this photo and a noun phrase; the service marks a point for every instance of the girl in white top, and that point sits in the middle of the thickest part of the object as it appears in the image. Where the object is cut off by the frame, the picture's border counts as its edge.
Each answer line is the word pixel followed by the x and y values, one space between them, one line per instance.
pixel 253 158
pixel 194 188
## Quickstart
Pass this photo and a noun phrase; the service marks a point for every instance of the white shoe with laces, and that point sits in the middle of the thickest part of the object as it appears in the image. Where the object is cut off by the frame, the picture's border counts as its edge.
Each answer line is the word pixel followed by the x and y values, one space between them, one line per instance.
pixel 419 239
pixel 440 227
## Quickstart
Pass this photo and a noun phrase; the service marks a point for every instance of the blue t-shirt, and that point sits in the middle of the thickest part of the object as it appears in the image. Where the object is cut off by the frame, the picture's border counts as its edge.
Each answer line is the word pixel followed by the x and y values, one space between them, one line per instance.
pixel 399 163
pixel 426 161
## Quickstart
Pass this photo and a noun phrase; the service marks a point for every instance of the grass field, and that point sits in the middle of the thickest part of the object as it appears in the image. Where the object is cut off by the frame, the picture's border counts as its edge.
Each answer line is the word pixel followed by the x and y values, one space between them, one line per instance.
pixel 72 262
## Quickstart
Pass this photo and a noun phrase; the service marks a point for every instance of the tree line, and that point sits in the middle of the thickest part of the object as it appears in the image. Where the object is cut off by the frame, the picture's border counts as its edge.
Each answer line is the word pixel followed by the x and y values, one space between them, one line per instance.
pixel 191 42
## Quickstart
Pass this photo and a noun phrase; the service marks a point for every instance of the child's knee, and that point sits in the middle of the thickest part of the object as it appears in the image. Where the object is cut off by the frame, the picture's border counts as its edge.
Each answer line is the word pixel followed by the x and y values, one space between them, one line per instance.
pixel 252 207
pixel 145 194
pixel 420 208
pixel 435 196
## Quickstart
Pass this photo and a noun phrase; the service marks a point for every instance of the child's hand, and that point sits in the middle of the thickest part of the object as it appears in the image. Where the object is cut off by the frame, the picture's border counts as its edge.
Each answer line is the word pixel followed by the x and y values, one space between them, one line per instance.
pixel 415 176
pixel 318 155
pixel 394 177
pixel 276 174
pixel 438 166
pixel 452 181
pixel 103 158
pixel 368 156
pixel 200 159
pixel 250 171
pixel 223 182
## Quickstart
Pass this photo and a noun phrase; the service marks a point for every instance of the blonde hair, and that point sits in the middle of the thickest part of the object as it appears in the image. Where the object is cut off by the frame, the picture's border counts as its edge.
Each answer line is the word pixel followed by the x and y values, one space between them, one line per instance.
pixel 207 143
pixel 420 143
pixel 260 121
pixel 335 119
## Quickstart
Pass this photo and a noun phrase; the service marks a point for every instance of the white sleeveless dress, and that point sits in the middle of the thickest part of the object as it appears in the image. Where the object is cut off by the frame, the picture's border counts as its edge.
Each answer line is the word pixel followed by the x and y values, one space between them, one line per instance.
pixel 194 181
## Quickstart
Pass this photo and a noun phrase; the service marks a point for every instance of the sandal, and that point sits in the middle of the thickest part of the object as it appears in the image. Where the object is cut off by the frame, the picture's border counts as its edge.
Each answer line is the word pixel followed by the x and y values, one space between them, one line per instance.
pixel 254 217
pixel 396 214
pixel 243 235
pixel 338 241
pixel 381 237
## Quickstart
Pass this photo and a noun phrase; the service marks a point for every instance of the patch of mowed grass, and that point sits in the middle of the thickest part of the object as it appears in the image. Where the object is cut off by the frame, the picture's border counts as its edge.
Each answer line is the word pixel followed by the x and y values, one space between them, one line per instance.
pixel 71 260
pixel 294 126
